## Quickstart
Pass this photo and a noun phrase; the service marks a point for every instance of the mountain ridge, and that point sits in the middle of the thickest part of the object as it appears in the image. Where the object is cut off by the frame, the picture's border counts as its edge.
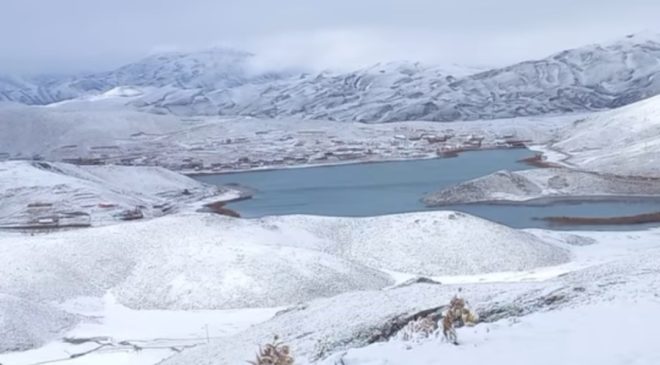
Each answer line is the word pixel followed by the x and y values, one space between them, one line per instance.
pixel 220 82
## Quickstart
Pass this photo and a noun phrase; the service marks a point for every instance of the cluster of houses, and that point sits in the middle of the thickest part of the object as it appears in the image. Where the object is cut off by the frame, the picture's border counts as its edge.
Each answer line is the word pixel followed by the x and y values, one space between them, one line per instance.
pixel 302 148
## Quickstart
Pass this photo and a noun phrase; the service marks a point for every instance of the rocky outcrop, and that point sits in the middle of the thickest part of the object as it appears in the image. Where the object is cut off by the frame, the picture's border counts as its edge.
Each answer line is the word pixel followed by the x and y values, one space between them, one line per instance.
pixel 539 184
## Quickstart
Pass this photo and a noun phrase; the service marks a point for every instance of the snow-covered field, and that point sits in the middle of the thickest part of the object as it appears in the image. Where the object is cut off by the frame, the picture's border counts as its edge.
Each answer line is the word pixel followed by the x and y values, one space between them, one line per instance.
pixel 548 183
pixel 149 291
pixel 222 82
pixel 161 284
pixel 604 334
pixel 615 153
pixel 192 288
pixel 51 195
pixel 202 261
pixel 624 141
pixel 198 261
pixel 116 335
pixel 617 270
pixel 114 134
pixel 107 131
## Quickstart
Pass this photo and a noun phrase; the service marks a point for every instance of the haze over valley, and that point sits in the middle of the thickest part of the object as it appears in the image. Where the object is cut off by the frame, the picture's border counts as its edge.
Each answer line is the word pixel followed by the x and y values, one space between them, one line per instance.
pixel 304 182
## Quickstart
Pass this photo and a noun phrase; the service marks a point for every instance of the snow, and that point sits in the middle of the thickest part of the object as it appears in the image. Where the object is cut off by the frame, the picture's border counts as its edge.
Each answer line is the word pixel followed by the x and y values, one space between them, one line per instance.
pixel 26 131
pixel 114 320
pixel 60 353
pixel 610 154
pixel 593 77
pixel 195 261
pixel 322 327
pixel 121 91
pixel 91 275
pixel 617 272
pixel 542 185
pixel 70 195
pixel 222 82
pixel 26 324
pixel 608 141
pixel 623 332
pixel 193 288
pixel 176 262
pixel 429 243
pixel 158 332
pixel 108 132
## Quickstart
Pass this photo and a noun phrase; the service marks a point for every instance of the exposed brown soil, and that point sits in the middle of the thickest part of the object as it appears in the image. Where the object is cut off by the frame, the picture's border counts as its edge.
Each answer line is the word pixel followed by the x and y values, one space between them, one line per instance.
pixel 219 208
pixel 45 228
pixel 39 205
pixel 518 143
pixel 449 154
pixel 633 219
pixel 538 161
pixel 131 215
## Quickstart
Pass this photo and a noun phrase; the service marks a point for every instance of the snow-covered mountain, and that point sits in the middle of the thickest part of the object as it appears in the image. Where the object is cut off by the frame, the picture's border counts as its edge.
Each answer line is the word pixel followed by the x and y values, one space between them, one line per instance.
pixel 218 82
pixel 624 141
pixel 28 91
pixel 368 94
pixel 207 70
pixel 588 78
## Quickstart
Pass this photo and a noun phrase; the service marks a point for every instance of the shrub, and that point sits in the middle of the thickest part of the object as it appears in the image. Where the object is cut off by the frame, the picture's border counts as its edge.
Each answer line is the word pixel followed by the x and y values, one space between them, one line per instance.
pixel 458 315
pixel 274 353
pixel 420 328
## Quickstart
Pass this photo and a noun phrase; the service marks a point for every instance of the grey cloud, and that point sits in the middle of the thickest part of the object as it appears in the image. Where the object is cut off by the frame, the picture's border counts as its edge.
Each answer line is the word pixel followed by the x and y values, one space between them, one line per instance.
pixel 75 35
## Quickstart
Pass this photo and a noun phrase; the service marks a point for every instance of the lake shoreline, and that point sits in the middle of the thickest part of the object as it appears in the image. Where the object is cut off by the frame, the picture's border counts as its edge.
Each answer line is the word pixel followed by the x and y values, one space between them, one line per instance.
pixel 435 156
pixel 553 200
pixel 393 187
pixel 646 218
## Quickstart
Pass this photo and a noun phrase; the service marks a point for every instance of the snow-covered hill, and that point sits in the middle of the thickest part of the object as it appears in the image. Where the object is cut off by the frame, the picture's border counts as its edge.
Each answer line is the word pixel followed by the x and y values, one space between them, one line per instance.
pixel 623 141
pixel 27 131
pixel 214 82
pixel 197 261
pixel 433 244
pixel 40 90
pixel 205 261
pixel 207 70
pixel 46 195
pixel 27 324
pixel 613 153
pixel 160 264
pixel 104 130
pixel 558 183
pixel 589 78
pixel 359 328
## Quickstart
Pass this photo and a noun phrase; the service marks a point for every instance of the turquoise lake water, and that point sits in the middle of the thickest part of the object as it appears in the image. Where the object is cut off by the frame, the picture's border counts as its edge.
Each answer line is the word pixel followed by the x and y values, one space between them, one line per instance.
pixel 370 189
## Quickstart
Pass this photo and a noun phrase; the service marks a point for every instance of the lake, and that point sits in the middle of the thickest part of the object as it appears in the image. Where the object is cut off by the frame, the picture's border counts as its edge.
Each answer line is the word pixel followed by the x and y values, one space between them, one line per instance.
pixel 369 189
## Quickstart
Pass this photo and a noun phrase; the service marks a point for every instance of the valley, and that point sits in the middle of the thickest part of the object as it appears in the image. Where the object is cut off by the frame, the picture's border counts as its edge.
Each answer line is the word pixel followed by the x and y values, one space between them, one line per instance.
pixel 183 210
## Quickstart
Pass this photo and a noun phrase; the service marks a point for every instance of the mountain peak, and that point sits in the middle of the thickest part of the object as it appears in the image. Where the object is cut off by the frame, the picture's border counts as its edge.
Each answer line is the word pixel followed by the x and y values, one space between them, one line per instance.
pixel 643 36
pixel 206 53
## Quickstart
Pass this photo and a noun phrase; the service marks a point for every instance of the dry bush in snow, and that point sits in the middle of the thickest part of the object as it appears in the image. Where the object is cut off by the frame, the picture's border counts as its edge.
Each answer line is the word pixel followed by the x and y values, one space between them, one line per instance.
pixel 274 353
pixel 458 315
pixel 419 328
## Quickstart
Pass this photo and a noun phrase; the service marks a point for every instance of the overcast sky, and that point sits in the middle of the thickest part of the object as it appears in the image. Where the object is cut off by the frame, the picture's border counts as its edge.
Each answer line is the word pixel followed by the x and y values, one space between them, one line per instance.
pixel 43 36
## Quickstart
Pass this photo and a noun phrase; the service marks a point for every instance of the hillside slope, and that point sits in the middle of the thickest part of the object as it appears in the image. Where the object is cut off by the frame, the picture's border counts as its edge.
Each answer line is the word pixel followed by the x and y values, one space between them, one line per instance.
pixel 48 195
pixel 220 82
pixel 593 77
pixel 206 261
pixel 210 69
pixel 623 141
pixel 549 183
